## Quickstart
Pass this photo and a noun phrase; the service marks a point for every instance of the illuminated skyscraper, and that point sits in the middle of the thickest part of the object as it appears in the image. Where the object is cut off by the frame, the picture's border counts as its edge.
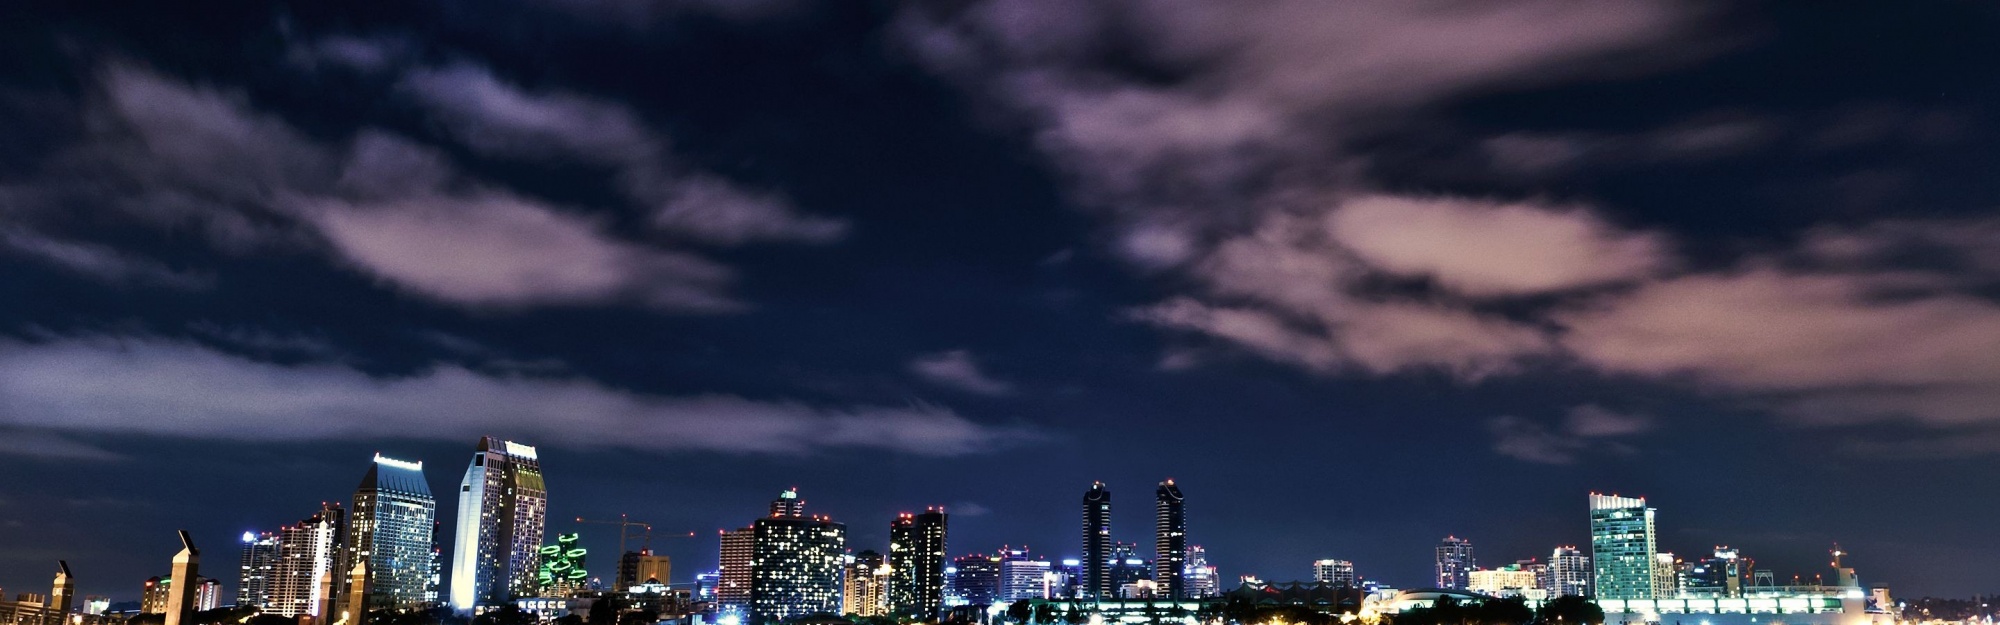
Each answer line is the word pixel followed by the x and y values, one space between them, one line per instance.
pixel 1334 572
pixel 393 529
pixel 1169 541
pixel 1096 544
pixel 917 554
pixel 502 509
pixel 788 503
pixel 732 586
pixel 975 580
pixel 308 555
pixel 1455 563
pixel 258 569
pixel 1623 547
pixel 1569 573
pixel 865 592
pixel 795 566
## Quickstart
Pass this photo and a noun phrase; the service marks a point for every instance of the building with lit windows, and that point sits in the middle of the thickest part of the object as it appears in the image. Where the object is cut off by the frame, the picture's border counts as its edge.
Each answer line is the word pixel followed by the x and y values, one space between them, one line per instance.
pixel 1455 563
pixel 1623 547
pixel 1202 580
pixel 308 555
pixel 732 584
pixel 1569 573
pixel 917 555
pixel 502 511
pixel 865 591
pixel 975 580
pixel 795 567
pixel 559 567
pixel 1022 576
pixel 1333 572
pixel 1096 574
pixel 258 569
pixel 1127 570
pixel 393 527
pixel 1508 581
pixel 1169 541
pixel 1724 574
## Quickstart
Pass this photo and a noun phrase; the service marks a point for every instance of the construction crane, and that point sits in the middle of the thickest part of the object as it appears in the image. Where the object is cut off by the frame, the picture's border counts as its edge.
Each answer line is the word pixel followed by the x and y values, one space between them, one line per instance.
pixel 625 526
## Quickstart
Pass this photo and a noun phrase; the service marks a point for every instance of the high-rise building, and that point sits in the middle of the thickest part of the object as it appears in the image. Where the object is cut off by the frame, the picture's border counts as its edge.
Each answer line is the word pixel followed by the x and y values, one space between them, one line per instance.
pixel 153 596
pixel 1169 541
pixel 639 567
pixel 393 532
pixel 1623 547
pixel 975 580
pixel 502 511
pixel 1455 563
pixel 1096 582
pixel 207 594
pixel 1334 572
pixel 1724 574
pixel 732 586
pixel 157 596
pixel 1667 574
pixel 788 503
pixel 1022 576
pixel 865 592
pixel 1541 571
pixel 917 554
pixel 1569 572
pixel 258 570
pixel 1068 583
pixel 1202 580
pixel 795 566
pixel 308 555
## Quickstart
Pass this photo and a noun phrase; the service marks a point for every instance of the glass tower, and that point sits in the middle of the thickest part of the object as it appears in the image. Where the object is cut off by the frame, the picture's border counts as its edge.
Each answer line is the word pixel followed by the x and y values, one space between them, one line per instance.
pixel 1096 544
pixel 1169 541
pixel 393 529
pixel 1622 546
pixel 916 555
pixel 260 563
pixel 1455 563
pixel 502 509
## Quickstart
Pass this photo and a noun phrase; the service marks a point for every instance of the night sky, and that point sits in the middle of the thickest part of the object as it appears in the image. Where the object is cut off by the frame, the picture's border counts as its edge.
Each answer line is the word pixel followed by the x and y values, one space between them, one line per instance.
pixel 1356 275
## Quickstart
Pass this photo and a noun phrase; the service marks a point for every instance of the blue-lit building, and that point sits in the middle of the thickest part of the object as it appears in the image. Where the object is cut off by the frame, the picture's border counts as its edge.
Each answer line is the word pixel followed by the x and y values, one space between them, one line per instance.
pixel 393 530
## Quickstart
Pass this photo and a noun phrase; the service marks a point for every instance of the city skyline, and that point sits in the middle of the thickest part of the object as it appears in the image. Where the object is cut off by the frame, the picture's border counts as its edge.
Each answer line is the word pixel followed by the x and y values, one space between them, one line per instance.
pixel 1739 259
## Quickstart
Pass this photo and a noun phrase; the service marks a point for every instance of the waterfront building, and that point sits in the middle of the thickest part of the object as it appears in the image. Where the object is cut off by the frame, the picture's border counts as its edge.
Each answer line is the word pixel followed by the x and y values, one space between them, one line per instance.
pixel 1569 572
pixel 1333 572
pixel 308 555
pixel 795 566
pixel 1201 578
pixel 1169 541
pixel 865 592
pixel 1623 547
pixel 917 557
pixel 392 538
pixel 258 570
pixel 1455 563
pixel 1096 582
pixel 502 512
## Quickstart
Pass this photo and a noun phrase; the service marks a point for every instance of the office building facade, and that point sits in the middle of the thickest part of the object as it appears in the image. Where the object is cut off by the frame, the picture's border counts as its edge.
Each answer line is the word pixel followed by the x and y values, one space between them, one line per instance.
pixel 1623 547
pixel 1569 573
pixel 795 567
pixel 1096 582
pixel 392 530
pixel 917 556
pixel 1169 541
pixel 732 585
pixel 975 580
pixel 1022 576
pixel 1455 563
pixel 1201 578
pixel 502 512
